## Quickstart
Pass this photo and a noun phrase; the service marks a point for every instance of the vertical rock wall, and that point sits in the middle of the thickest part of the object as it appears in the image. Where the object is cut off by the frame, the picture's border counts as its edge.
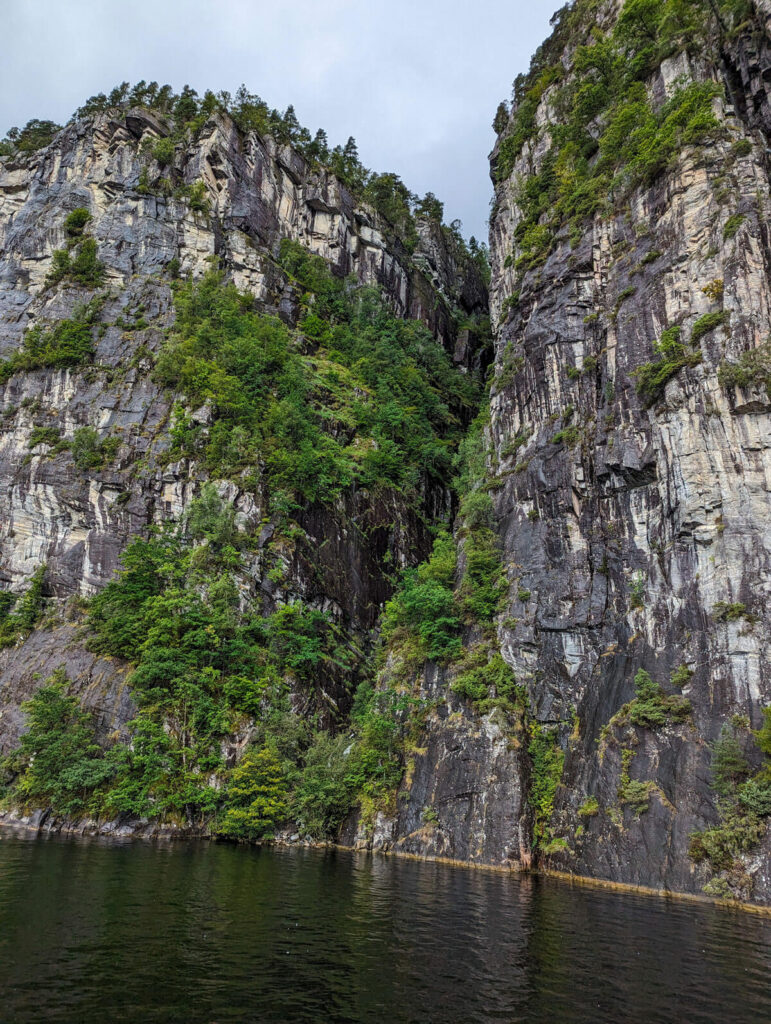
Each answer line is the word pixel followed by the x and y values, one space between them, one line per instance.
pixel 631 525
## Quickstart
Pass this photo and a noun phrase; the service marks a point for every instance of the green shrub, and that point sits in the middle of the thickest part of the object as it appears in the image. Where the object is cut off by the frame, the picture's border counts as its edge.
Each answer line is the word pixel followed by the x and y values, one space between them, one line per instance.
pixel 324 794
pixel 546 759
pixel 681 676
pixel 736 835
pixel 637 591
pixel 730 611
pixel 483 586
pixel 28 610
pixel 752 370
pixel 43 435
pixel 589 807
pixel 33 136
pixel 76 222
pixel 744 800
pixel 729 765
pixel 732 226
pixel 58 763
pixel 708 322
pixel 255 798
pixel 652 708
pixel 513 445
pixel 569 436
pixel 673 356
pixel 742 148
pixel 84 268
pixel 381 406
pixel 487 681
pixel 163 151
pixel 374 766
pixel 88 452
pixel 755 794
pixel 67 343
pixel 637 795
pixel 424 606
pixel 196 195
pixel 476 511
pixel 147 773
pixel 650 257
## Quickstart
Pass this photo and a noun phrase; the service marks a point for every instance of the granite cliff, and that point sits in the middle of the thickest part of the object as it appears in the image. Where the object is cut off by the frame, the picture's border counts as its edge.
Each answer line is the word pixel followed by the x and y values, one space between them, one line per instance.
pixel 629 477
pixel 576 674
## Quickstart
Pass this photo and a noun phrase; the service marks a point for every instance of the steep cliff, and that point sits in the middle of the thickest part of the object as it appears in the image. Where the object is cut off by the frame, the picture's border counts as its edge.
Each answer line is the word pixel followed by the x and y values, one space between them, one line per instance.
pixel 611 722
pixel 203 322
pixel 525 628
pixel 631 419
pixel 257 192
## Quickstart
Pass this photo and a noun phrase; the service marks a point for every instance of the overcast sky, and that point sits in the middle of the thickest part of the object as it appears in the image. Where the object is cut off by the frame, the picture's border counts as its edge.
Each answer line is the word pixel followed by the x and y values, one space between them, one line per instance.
pixel 416 82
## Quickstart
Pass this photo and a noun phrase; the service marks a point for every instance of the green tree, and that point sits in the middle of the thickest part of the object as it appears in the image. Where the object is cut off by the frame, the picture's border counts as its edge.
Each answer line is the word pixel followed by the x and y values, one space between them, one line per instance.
pixel 323 796
pixel 256 797
pixel 729 765
pixel 59 762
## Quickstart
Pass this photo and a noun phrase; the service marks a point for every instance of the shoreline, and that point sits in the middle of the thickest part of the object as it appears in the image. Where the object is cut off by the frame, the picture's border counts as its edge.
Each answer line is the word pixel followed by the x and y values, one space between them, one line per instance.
pixel 156 833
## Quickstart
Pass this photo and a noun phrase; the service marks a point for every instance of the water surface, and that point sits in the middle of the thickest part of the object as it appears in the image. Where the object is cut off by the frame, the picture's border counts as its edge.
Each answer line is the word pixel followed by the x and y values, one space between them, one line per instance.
pixel 203 932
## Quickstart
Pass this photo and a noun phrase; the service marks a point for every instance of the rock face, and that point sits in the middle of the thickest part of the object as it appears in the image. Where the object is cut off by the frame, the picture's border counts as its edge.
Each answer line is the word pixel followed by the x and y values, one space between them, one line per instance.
pixel 633 525
pixel 634 519
pixel 463 793
pixel 256 194
pixel 99 683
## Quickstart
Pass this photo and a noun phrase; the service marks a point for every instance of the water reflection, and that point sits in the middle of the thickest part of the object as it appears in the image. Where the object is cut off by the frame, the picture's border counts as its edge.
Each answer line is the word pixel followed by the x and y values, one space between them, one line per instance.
pixel 213 933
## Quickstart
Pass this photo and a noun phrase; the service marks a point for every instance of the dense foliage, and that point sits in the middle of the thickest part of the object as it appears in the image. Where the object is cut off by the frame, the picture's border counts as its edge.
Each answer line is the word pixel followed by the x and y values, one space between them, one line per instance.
pixel 354 398
pixel 204 668
pixel 59 763
pixel 652 708
pixel 752 369
pixel 547 759
pixel 20 614
pixel 360 398
pixel 33 136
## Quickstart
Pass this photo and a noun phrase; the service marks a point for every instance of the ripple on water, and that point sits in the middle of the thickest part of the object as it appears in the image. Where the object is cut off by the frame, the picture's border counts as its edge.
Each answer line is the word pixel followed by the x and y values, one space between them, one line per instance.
pixel 202 932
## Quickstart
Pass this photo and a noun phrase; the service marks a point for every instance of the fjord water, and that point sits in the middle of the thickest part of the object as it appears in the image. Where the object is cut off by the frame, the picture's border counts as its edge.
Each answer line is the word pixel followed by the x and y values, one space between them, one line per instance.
pixel 201 932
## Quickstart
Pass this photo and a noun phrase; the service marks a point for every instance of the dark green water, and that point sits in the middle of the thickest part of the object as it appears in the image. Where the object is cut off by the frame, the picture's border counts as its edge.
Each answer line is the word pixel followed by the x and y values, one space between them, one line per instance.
pixel 200 932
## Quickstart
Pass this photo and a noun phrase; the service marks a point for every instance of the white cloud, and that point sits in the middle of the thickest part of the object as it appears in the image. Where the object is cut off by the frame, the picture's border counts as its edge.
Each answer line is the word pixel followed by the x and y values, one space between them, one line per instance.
pixel 415 81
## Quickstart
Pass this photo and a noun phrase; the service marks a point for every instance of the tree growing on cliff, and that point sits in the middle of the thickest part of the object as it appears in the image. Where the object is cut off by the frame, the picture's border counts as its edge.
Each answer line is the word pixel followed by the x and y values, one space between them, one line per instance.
pixel 256 797
pixel 501 119
pixel 58 762
pixel 729 765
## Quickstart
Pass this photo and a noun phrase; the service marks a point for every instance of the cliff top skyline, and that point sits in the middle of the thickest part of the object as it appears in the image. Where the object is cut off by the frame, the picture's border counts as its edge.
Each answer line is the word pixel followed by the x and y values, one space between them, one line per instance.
pixel 416 85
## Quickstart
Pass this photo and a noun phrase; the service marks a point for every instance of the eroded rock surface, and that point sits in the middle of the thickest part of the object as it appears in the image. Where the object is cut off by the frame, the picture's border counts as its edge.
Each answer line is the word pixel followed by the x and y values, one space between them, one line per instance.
pixel 629 531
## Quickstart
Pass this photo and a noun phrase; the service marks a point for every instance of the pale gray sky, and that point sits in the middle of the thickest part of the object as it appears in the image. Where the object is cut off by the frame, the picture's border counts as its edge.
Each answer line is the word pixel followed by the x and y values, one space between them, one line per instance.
pixel 416 82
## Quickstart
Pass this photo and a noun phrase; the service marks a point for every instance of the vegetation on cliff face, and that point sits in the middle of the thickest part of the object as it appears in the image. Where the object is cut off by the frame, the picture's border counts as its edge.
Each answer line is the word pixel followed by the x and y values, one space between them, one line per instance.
pixel 66 343
pixel 356 398
pixel 744 803
pixel 205 671
pixel 352 400
pixel 257 708
pixel 351 408
pixel 607 135
pixel 20 615
pixel 185 113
